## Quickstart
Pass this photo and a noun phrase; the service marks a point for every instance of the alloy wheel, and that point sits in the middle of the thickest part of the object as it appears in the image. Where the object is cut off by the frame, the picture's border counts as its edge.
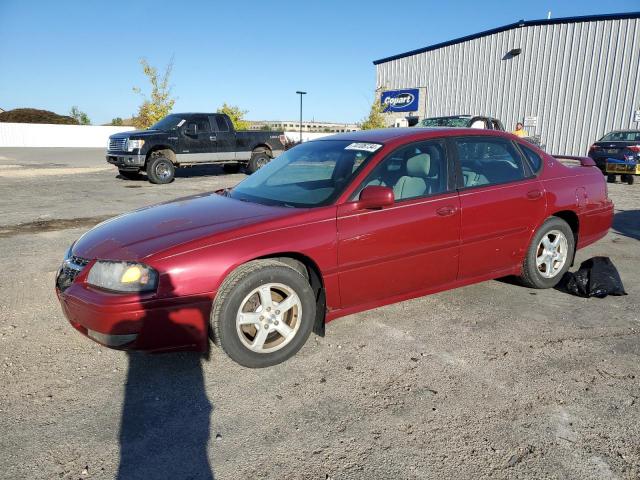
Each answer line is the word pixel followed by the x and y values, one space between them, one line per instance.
pixel 269 318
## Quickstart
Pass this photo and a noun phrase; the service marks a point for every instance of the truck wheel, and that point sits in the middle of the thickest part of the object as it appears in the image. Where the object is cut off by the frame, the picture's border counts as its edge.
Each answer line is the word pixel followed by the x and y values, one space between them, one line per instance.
pixel 160 170
pixel 129 174
pixel 231 167
pixel 611 178
pixel 258 160
pixel 630 179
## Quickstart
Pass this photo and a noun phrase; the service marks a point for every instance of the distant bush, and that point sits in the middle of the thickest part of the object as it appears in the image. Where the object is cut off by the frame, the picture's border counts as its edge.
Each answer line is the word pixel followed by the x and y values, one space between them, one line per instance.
pixel 32 115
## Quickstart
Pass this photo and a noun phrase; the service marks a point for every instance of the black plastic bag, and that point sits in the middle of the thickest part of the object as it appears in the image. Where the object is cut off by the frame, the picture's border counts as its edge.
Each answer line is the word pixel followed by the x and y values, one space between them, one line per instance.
pixel 596 277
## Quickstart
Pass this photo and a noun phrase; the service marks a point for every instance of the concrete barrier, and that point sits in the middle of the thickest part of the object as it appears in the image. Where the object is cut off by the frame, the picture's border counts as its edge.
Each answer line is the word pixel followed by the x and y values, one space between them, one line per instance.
pixel 47 135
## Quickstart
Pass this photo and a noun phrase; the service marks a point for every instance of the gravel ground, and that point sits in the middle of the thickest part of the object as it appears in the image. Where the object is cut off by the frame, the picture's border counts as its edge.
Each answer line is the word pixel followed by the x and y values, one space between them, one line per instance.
pixel 488 381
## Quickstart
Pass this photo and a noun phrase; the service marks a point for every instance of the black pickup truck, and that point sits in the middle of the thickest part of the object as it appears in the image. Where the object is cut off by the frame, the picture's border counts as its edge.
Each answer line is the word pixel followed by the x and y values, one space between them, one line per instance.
pixel 187 139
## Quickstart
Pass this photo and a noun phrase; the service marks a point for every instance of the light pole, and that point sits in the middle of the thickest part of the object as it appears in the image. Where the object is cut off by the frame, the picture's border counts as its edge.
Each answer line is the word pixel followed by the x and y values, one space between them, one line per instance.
pixel 301 93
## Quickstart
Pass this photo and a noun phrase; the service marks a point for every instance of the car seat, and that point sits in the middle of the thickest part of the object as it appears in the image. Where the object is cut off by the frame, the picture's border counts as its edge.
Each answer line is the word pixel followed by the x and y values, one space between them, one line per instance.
pixel 417 181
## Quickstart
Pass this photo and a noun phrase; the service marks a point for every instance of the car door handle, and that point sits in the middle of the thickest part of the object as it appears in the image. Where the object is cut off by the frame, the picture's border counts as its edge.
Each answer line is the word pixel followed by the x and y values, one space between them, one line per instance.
pixel 213 138
pixel 534 194
pixel 446 211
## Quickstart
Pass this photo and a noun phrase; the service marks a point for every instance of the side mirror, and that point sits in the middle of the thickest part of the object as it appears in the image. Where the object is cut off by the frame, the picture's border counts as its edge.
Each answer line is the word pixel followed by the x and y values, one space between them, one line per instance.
pixel 375 197
pixel 191 129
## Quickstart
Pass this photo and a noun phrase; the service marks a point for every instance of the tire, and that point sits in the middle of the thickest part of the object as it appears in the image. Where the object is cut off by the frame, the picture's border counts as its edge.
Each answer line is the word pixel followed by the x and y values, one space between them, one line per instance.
pixel 129 174
pixel 231 167
pixel 258 160
pixel 160 170
pixel 535 275
pixel 630 179
pixel 237 294
pixel 611 178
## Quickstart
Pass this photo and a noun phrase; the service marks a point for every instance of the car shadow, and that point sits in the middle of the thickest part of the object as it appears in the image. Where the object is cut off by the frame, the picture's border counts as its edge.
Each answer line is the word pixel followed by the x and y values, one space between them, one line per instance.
pixel 188 172
pixel 164 430
pixel 165 423
pixel 627 223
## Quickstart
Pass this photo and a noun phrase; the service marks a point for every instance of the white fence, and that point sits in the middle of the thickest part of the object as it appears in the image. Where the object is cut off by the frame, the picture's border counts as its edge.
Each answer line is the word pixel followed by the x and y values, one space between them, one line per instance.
pixel 46 135
pixel 88 136
pixel 306 136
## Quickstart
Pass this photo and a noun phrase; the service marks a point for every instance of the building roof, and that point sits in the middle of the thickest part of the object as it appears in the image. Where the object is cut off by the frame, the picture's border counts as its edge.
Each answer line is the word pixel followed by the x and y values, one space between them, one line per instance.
pixel 519 24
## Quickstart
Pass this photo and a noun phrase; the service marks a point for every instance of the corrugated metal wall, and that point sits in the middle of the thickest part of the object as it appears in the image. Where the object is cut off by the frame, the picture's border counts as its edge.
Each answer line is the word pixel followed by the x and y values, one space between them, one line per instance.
pixel 580 79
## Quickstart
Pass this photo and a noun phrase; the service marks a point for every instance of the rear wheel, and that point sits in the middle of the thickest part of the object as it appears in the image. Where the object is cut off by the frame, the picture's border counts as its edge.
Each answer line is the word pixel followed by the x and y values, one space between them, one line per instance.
pixel 263 313
pixel 259 159
pixel 129 174
pixel 611 178
pixel 629 179
pixel 550 254
pixel 160 170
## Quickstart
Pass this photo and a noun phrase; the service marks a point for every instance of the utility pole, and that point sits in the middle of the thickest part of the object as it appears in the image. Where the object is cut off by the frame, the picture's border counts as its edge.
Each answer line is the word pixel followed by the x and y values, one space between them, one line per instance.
pixel 301 94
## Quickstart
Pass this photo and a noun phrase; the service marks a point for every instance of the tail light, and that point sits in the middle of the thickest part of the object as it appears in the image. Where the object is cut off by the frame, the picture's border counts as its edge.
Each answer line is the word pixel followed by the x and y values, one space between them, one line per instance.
pixel 634 148
pixel 283 139
pixel 593 148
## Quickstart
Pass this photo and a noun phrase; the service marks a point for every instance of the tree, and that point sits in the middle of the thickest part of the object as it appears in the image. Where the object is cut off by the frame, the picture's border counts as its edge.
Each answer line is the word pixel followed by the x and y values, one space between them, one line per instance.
pixel 236 115
pixel 376 117
pixel 117 121
pixel 159 103
pixel 81 117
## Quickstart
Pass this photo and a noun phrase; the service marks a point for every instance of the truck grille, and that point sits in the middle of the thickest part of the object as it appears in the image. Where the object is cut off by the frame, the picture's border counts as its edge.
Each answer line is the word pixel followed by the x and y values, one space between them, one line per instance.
pixel 70 269
pixel 117 144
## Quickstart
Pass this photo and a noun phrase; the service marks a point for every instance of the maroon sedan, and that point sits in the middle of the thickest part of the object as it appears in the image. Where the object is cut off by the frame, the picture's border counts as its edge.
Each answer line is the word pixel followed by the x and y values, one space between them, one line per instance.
pixel 332 227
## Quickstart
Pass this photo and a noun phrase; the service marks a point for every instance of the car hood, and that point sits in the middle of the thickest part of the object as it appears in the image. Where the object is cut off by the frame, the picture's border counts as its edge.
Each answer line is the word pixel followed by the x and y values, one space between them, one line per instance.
pixel 137 133
pixel 151 230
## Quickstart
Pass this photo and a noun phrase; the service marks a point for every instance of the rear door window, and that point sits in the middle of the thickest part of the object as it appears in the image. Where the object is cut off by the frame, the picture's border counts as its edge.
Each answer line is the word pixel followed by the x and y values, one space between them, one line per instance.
pixel 488 161
pixel 535 161
pixel 221 123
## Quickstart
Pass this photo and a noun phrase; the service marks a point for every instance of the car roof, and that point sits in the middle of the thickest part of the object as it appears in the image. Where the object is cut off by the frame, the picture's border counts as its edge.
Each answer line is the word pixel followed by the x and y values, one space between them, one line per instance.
pixel 384 135
pixel 630 130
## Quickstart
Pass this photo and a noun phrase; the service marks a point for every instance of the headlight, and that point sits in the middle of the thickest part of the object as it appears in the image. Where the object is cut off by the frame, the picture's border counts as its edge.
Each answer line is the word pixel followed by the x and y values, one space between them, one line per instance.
pixel 123 276
pixel 134 144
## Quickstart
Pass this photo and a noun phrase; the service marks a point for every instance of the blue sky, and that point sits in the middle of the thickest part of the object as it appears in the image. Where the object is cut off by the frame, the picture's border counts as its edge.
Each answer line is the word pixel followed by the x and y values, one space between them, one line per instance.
pixel 255 54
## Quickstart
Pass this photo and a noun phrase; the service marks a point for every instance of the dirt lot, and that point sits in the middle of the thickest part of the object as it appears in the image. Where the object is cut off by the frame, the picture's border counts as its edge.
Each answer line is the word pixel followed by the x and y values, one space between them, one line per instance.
pixel 488 381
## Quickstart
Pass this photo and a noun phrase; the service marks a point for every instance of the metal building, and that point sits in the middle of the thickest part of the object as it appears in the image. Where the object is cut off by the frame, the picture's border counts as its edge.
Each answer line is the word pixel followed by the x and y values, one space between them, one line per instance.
pixel 571 79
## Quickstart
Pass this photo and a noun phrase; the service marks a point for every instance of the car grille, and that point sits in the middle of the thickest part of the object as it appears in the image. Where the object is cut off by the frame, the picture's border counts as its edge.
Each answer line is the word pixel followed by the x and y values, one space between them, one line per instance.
pixel 117 144
pixel 69 271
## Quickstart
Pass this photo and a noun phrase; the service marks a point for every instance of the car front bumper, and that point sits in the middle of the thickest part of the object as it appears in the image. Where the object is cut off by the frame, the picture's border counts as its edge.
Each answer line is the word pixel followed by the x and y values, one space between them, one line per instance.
pixel 126 161
pixel 132 322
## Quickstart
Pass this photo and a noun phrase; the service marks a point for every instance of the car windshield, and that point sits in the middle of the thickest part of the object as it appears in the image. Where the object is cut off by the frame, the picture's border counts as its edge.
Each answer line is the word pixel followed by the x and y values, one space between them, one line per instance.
pixel 167 123
pixel 632 136
pixel 445 122
pixel 311 174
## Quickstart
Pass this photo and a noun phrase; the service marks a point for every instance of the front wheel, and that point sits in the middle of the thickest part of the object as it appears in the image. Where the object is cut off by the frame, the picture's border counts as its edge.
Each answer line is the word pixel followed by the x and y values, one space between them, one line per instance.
pixel 550 254
pixel 611 178
pixel 160 170
pixel 263 313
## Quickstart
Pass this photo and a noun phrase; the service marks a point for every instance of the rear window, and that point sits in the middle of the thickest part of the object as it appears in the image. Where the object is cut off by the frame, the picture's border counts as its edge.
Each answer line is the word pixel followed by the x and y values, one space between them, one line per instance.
pixel 621 137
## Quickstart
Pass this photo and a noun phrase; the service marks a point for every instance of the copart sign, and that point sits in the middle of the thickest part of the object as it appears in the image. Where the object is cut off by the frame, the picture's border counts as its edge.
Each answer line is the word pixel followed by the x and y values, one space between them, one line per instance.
pixel 400 100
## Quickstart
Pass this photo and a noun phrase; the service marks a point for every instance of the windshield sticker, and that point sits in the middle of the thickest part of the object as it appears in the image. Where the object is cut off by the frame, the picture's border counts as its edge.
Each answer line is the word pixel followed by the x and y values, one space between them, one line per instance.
pixel 181 122
pixel 367 147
